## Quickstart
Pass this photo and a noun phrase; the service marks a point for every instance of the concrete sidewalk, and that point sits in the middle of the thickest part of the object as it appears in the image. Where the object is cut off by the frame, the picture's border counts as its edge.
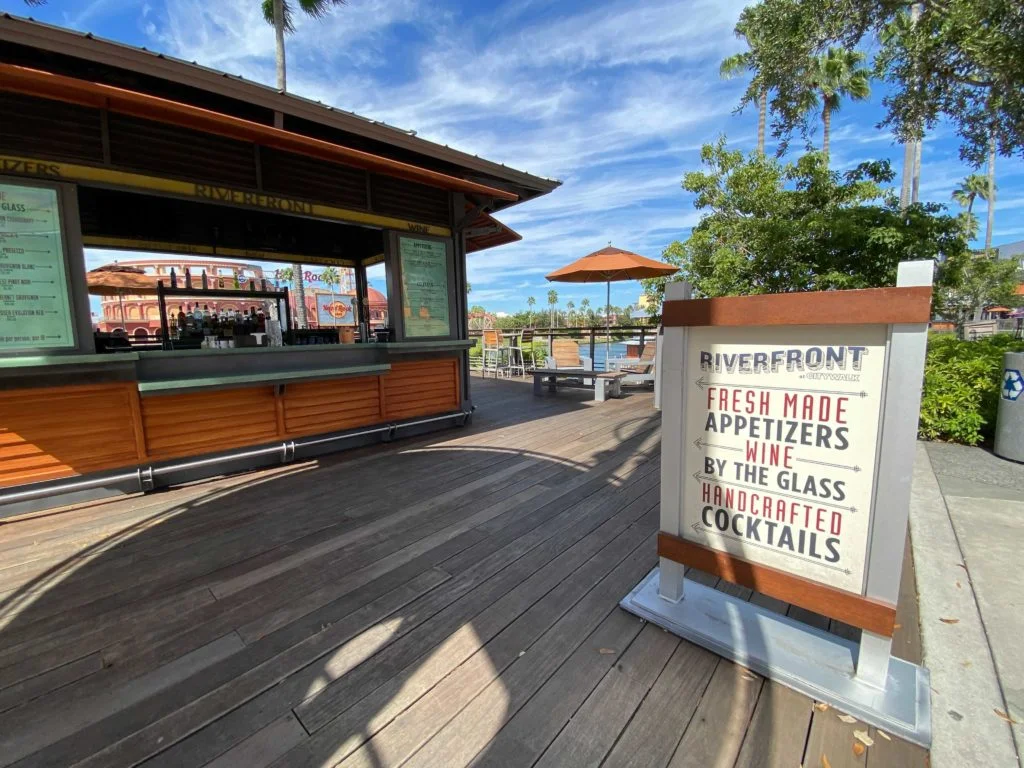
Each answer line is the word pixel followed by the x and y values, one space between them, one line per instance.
pixel 967 529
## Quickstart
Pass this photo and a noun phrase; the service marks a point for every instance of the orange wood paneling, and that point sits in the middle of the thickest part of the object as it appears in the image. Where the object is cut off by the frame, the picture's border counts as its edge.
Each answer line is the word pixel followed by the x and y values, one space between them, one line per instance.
pixel 421 388
pixel 56 432
pixel 207 422
pixel 853 609
pixel 879 306
pixel 328 406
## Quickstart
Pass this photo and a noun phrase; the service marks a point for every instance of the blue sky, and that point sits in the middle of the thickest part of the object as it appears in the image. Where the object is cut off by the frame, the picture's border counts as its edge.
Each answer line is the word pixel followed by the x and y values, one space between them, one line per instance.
pixel 612 97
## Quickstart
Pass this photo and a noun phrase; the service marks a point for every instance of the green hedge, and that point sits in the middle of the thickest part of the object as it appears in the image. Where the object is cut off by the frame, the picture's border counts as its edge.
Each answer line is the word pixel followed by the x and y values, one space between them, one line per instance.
pixel 961 387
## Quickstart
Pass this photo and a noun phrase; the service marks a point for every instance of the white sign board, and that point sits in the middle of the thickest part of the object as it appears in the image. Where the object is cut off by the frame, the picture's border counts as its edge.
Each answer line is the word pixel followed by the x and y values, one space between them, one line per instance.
pixel 35 312
pixel 780 436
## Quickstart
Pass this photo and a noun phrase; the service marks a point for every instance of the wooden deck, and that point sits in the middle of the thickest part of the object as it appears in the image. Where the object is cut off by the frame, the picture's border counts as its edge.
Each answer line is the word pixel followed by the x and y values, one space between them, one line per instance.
pixel 437 602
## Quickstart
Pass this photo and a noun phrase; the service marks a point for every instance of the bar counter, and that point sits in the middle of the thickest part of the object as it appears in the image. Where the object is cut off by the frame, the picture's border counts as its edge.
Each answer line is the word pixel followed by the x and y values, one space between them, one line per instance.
pixel 96 415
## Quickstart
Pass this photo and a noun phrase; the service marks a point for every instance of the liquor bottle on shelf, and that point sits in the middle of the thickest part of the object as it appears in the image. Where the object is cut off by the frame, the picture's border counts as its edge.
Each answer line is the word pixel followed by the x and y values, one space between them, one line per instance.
pixel 174 278
pixel 237 283
pixel 205 281
pixel 197 315
pixel 205 316
pixel 188 278
pixel 182 324
pixel 263 285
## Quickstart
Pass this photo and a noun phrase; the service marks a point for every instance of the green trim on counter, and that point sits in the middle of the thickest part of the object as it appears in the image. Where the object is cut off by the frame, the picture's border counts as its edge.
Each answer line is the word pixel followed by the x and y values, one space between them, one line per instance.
pixel 45 361
pixel 177 386
pixel 395 347
pixel 425 346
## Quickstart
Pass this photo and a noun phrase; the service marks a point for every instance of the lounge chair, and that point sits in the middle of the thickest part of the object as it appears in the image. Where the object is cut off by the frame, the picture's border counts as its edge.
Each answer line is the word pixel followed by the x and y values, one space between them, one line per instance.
pixel 638 371
pixel 565 356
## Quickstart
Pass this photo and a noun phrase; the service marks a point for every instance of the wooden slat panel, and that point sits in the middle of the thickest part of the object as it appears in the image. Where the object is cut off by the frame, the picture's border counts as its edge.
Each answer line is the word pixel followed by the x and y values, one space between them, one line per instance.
pixel 879 306
pixel 190 424
pixel 421 388
pixel 60 432
pixel 45 128
pixel 845 606
pixel 314 407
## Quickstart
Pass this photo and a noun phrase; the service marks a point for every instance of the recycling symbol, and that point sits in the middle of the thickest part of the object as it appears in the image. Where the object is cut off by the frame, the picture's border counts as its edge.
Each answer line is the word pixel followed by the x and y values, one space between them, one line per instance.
pixel 1013 384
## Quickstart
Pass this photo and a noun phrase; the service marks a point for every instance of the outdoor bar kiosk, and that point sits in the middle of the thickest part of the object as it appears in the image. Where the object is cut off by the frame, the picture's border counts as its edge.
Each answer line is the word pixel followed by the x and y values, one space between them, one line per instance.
pixel 113 147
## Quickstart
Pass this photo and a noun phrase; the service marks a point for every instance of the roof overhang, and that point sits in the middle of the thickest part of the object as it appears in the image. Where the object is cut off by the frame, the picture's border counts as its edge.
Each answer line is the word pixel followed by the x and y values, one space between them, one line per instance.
pixel 35 82
pixel 27 32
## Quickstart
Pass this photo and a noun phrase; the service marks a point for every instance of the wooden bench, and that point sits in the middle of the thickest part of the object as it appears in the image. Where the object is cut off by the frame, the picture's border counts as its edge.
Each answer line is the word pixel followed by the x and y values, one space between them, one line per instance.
pixel 605 384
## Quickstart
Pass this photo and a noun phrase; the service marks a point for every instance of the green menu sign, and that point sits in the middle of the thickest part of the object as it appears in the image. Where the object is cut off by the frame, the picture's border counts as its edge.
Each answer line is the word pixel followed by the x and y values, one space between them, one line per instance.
pixel 34 308
pixel 424 287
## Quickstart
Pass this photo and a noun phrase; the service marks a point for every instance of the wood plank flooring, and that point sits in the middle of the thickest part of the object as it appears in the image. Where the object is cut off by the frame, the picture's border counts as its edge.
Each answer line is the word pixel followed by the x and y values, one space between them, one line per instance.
pixel 442 601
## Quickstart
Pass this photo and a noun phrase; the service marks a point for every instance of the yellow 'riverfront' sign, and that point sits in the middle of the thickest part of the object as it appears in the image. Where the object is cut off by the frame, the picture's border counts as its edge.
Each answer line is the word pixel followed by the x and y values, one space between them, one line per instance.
pixel 240 197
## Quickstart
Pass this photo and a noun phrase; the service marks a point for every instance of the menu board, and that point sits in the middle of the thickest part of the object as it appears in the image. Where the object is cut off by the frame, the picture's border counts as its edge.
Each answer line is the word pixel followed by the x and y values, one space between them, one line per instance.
pixel 781 430
pixel 424 287
pixel 34 308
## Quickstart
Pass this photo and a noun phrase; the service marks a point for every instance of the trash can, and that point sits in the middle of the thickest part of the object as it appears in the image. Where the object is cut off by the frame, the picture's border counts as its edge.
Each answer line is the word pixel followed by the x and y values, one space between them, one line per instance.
pixel 1010 418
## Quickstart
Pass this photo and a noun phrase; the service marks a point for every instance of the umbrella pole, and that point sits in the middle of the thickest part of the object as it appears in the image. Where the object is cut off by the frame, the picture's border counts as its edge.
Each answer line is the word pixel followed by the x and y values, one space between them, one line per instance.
pixel 607 323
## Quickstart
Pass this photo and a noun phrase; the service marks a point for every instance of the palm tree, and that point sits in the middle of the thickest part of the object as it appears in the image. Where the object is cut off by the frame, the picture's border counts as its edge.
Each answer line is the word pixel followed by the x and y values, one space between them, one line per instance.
pixel 330 277
pixel 552 301
pixel 569 307
pixel 990 193
pixel 838 73
pixel 970 189
pixel 736 65
pixel 278 13
pixel 530 301
pixel 585 308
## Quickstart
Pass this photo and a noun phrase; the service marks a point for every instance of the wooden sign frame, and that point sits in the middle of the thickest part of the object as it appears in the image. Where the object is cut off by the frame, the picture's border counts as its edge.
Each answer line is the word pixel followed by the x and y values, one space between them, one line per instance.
pixel 750 635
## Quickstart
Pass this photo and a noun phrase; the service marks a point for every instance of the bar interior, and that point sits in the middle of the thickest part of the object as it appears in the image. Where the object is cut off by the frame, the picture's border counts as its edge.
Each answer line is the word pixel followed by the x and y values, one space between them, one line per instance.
pixel 156 218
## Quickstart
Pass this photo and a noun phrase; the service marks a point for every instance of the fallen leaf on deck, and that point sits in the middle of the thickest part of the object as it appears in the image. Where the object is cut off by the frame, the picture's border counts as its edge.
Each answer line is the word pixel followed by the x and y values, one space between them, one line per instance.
pixel 821 706
pixel 965 664
pixel 1008 718
pixel 884 735
pixel 950 621
pixel 607 652
pixel 897 626
pixel 858 748
pixel 824 761
pixel 847 719
pixel 863 738
pixel 958 584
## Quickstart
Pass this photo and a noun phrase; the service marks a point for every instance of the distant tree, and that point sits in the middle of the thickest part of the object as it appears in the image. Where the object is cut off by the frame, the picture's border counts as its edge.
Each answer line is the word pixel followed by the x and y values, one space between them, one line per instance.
pixel 552 301
pixel 530 302
pixel 969 282
pixel 740 63
pixel 769 227
pixel 569 307
pixel 588 316
pixel 970 189
pixel 941 59
pixel 837 73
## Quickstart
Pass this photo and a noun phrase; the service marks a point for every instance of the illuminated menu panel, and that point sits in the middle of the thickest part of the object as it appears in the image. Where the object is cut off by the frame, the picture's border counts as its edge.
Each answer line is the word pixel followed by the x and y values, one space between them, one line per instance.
pixel 34 308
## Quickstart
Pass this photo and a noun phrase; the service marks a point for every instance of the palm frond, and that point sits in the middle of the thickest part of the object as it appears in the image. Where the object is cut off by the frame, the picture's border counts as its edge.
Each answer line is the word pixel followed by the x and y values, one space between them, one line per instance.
pixel 319 8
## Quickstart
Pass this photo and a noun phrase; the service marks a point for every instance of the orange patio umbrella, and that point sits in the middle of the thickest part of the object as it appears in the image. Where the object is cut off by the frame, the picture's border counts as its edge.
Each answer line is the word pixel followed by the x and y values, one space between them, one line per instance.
pixel 610 264
pixel 120 281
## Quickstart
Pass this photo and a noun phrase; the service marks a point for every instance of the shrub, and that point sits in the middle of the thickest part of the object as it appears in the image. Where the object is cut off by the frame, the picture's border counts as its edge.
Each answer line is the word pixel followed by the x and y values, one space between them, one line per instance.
pixel 961 387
